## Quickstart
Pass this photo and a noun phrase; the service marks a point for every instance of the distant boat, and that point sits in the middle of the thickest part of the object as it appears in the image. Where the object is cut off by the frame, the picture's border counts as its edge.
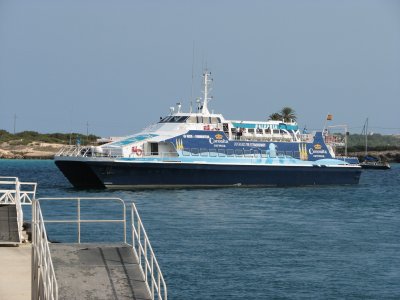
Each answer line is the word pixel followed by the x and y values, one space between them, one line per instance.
pixel 371 162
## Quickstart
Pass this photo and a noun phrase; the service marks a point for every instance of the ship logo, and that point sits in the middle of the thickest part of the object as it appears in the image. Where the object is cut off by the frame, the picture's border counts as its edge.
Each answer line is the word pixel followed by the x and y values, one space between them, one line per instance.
pixel 317 147
pixel 179 144
pixel 303 151
pixel 219 136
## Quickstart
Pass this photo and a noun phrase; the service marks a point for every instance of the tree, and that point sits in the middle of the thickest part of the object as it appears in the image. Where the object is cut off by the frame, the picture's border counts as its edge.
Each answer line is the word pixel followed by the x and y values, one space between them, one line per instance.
pixel 275 117
pixel 288 114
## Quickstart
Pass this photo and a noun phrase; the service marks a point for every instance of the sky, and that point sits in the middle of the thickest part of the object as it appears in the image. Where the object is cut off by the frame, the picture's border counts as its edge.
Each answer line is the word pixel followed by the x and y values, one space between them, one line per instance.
pixel 119 65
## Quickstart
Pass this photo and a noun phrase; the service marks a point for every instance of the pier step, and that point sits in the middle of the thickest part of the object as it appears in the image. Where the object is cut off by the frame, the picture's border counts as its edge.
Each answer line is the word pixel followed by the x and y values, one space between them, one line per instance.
pixel 8 224
pixel 97 271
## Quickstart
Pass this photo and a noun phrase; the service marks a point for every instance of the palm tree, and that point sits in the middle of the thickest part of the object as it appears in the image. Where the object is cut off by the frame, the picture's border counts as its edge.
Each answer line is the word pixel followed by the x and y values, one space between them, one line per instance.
pixel 288 114
pixel 275 117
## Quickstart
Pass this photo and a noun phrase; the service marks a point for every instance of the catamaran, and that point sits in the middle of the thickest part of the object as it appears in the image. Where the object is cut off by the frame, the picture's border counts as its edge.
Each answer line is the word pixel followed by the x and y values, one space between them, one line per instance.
pixel 203 149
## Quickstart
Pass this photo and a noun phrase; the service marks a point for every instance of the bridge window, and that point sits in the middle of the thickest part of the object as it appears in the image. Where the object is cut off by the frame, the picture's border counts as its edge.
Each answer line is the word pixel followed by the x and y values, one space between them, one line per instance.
pixel 174 119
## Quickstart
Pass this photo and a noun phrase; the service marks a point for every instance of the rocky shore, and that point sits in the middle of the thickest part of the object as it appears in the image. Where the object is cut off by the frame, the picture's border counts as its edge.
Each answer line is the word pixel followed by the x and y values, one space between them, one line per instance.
pixel 389 155
pixel 35 150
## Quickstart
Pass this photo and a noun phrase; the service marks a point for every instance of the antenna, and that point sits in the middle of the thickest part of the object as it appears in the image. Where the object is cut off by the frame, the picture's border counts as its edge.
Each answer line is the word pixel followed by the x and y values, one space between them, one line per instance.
pixel 179 105
pixel 87 132
pixel 198 104
pixel 191 89
pixel 15 121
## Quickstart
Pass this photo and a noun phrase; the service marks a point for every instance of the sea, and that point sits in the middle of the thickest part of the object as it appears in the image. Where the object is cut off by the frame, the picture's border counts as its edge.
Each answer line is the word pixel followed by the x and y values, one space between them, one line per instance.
pixel 332 242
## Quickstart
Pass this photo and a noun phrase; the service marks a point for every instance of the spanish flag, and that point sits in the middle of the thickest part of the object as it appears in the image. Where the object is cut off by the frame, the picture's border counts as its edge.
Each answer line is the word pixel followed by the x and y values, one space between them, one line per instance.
pixel 329 117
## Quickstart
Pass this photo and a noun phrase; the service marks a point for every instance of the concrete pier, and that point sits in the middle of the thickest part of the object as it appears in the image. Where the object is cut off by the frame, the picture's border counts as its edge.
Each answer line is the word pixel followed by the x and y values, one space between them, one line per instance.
pixel 97 271
pixel 15 272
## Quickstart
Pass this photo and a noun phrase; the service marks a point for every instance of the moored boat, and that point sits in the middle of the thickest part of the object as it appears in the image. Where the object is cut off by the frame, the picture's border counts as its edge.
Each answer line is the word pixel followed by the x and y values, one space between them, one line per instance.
pixel 203 149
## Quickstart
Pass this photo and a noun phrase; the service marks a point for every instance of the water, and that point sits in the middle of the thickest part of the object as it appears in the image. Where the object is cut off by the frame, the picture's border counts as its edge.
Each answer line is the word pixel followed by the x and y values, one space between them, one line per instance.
pixel 238 243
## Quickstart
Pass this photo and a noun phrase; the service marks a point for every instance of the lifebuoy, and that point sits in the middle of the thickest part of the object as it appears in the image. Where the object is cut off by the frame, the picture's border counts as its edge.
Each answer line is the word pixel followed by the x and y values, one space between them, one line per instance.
pixel 137 151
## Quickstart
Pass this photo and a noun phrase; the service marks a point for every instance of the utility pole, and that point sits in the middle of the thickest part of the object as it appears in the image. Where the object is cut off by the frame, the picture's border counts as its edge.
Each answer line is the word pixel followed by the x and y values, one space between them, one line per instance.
pixel 15 121
pixel 87 132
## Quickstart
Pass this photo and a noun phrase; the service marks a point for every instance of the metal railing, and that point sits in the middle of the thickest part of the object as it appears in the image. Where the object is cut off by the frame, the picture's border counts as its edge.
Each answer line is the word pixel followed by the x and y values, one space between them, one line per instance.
pixel 146 258
pixel 11 188
pixel 79 220
pixel 11 193
pixel 44 282
pixel 84 151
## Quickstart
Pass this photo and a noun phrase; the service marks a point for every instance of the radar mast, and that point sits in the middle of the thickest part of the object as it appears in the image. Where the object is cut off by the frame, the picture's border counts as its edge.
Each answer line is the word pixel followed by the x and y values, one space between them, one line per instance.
pixel 207 89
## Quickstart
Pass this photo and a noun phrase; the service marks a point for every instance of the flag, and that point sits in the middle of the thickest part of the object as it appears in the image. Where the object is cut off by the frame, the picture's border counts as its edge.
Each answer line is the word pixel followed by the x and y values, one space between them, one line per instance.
pixel 329 117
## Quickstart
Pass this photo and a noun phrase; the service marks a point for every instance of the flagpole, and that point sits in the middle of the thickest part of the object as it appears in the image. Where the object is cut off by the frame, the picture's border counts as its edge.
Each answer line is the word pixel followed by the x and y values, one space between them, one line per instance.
pixel 328 118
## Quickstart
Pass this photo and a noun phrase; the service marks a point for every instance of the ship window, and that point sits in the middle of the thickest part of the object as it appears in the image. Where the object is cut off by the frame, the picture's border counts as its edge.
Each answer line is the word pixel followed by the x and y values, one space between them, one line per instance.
pixel 264 153
pixel 259 131
pixel 229 152
pixel 195 151
pixel 165 120
pixel 191 120
pixel 221 152
pixel 239 152
pixel 281 153
pixel 289 153
pixel 267 131
pixel 296 154
pixel 247 153
pixel 186 152
pixel 233 130
pixel 215 120
pixel 256 152
pixel 207 120
pixel 250 130
pixel 204 152
pixel 276 131
pixel 174 119
pixel 154 148
pixel 213 153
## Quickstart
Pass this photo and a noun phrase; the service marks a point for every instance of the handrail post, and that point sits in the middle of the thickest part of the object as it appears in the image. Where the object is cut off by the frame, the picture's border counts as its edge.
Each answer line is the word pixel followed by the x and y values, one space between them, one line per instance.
pixel 124 223
pixel 79 220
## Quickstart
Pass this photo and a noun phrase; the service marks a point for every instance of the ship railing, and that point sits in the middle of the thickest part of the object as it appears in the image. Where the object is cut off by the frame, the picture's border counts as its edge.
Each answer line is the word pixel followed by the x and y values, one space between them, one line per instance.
pixel 265 137
pixel 335 140
pixel 146 258
pixel 84 151
pixel 11 192
pixel 306 137
pixel 43 278
pixel 73 150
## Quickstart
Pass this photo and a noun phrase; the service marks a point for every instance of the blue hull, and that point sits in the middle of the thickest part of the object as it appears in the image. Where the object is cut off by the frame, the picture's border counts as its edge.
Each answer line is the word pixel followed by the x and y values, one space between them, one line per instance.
pixel 141 175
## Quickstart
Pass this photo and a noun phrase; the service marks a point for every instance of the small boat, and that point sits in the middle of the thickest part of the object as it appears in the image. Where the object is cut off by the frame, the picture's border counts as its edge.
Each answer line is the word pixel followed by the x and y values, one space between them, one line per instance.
pixel 371 162
pixel 203 149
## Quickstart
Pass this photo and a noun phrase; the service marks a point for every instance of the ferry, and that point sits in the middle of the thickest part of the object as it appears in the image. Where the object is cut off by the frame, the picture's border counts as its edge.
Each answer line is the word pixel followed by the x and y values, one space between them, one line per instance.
pixel 203 149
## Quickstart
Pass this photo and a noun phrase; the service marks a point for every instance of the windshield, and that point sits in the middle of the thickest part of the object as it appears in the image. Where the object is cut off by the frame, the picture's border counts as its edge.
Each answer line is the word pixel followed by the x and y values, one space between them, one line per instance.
pixel 174 119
